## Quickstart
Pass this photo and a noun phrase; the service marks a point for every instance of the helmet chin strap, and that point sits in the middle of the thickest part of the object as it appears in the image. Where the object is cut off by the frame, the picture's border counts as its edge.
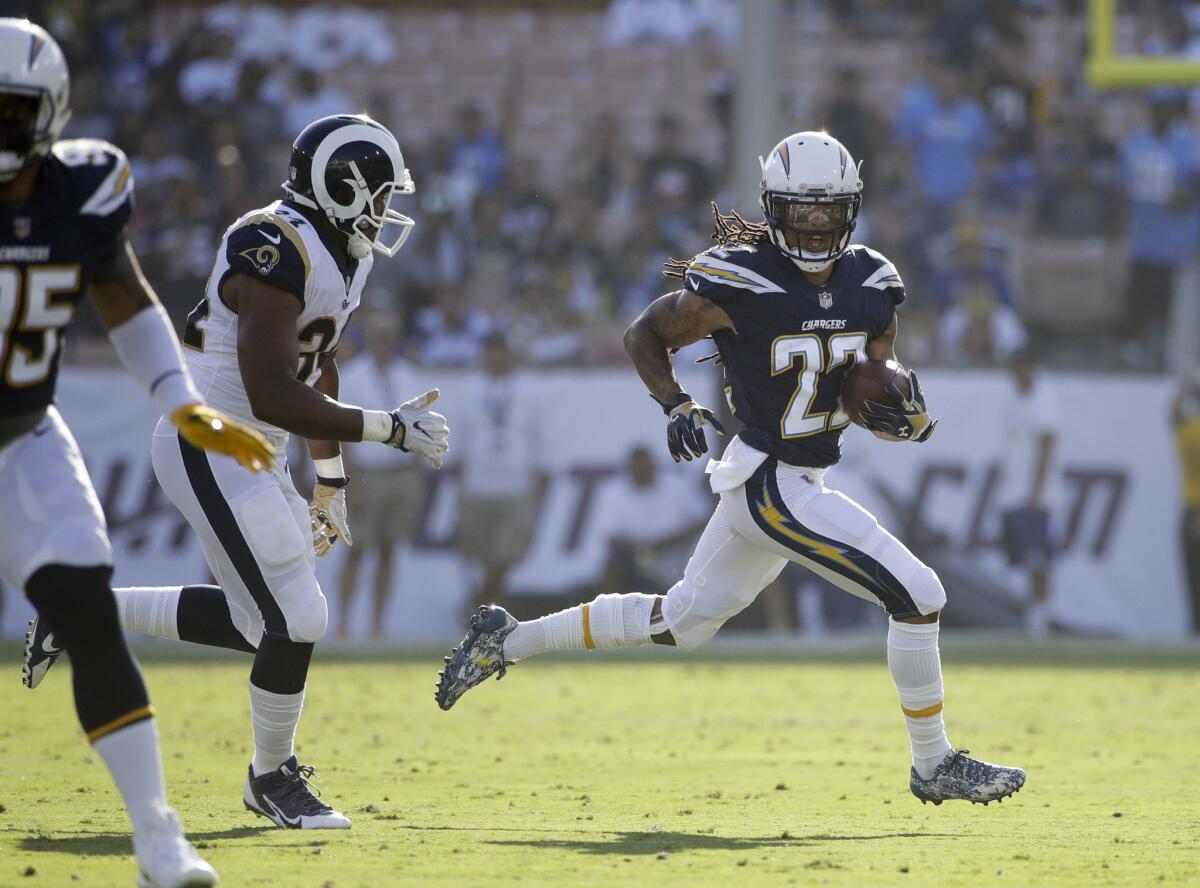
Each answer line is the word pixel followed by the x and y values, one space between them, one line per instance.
pixel 812 266
pixel 12 164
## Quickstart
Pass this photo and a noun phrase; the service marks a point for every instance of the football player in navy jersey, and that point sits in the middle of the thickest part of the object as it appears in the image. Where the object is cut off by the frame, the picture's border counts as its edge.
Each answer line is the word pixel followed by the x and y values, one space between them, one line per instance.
pixel 63 210
pixel 792 305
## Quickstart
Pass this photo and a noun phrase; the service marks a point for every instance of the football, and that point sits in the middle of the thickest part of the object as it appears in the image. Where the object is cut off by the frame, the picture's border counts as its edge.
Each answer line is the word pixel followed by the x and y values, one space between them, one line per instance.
pixel 868 381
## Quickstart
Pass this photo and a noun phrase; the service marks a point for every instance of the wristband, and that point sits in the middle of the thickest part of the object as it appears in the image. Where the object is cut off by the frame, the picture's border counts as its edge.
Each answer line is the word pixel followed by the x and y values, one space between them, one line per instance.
pixel 330 469
pixel 681 398
pixel 379 425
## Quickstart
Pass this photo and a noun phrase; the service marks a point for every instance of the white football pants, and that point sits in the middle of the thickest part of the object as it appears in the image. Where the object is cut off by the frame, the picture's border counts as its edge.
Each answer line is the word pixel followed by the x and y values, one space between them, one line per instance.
pixel 256 535
pixel 784 513
pixel 53 515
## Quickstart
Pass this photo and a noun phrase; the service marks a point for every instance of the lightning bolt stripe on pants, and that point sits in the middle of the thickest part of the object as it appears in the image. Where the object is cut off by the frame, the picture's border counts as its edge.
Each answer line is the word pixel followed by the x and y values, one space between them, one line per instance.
pixel 770 513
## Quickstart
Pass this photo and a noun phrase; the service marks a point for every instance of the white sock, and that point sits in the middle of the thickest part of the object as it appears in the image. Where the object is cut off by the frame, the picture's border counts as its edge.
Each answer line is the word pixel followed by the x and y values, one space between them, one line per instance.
pixel 611 621
pixel 916 668
pixel 132 757
pixel 149 609
pixel 275 717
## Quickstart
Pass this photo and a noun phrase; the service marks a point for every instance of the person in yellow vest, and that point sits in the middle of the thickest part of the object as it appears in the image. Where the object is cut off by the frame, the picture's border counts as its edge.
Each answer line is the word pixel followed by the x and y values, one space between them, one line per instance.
pixel 1186 415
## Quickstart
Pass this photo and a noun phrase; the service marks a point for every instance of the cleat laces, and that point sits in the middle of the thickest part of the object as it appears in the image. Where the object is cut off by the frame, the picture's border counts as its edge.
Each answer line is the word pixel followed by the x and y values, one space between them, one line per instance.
pixel 972 769
pixel 301 794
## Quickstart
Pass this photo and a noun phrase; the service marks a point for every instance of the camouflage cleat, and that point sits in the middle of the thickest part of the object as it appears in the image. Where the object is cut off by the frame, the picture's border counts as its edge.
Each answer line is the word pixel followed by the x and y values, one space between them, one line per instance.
pixel 477 657
pixel 961 777
pixel 40 653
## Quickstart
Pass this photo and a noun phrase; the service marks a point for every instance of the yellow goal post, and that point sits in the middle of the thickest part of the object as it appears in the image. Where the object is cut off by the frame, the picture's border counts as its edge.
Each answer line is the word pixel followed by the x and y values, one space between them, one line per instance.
pixel 1107 70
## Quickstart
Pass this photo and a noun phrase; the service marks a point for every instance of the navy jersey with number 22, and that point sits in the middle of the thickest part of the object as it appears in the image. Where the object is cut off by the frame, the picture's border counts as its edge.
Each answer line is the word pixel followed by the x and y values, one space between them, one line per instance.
pixel 794 341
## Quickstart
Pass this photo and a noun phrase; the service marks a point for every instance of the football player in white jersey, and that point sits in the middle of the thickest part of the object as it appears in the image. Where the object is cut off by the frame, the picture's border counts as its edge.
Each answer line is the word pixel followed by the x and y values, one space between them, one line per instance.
pixel 64 207
pixel 261 345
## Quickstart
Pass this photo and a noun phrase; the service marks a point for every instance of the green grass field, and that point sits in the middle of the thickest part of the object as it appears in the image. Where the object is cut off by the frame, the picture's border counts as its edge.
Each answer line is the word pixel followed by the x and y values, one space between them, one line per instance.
pixel 653 770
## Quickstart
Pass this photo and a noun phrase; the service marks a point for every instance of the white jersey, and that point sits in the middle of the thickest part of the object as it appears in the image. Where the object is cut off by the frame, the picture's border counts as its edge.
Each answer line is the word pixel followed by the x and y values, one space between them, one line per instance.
pixel 280 247
pixel 503 449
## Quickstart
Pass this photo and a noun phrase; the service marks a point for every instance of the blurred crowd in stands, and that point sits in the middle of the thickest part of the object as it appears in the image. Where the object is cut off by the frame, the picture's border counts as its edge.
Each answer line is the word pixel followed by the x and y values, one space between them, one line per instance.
pixel 1023 208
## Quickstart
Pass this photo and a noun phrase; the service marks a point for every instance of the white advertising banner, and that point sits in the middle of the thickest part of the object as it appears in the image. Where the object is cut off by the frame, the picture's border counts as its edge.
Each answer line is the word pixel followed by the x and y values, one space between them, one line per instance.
pixel 1113 496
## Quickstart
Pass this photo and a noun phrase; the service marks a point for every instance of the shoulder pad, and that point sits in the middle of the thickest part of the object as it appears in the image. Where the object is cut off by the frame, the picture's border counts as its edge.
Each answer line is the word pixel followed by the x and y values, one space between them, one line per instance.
pixel 727 268
pixel 265 246
pixel 99 173
pixel 880 273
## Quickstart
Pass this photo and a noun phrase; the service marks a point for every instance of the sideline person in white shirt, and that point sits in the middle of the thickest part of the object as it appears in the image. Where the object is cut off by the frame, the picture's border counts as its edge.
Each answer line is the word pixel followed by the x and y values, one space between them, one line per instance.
pixel 387 488
pixel 503 482
pixel 647 517
pixel 1029 418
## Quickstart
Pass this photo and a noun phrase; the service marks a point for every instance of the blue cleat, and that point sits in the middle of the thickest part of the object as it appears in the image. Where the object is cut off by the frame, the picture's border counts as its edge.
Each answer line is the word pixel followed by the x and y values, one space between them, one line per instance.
pixel 478 656
pixel 961 777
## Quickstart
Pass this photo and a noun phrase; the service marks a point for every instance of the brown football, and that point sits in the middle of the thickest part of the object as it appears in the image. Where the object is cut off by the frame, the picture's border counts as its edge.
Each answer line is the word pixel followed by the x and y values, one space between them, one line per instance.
pixel 868 381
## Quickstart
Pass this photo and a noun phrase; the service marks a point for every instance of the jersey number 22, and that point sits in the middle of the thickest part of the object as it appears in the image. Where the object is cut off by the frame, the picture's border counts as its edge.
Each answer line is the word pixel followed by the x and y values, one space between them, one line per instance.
pixel 807 350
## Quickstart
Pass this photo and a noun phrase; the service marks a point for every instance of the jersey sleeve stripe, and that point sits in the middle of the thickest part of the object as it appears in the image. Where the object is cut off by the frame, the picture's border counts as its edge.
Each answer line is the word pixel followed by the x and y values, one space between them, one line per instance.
pixel 883 277
pixel 721 272
pixel 113 191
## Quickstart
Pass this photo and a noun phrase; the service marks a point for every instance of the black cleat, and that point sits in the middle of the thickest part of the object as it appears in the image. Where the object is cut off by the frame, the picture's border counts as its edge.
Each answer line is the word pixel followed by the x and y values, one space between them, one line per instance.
pixel 961 777
pixel 478 656
pixel 40 653
pixel 285 796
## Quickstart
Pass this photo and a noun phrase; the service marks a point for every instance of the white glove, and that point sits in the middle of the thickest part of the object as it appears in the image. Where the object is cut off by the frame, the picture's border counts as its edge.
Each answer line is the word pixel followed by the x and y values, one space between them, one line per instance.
pixel 411 428
pixel 327 513
pixel 421 431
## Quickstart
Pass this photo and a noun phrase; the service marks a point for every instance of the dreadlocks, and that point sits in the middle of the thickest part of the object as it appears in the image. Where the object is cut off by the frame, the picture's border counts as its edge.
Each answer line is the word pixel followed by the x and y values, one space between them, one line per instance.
pixel 729 229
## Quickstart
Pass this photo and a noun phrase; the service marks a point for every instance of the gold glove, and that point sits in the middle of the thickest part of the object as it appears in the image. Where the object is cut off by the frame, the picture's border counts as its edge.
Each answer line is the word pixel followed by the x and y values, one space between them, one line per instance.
pixel 327 513
pixel 212 430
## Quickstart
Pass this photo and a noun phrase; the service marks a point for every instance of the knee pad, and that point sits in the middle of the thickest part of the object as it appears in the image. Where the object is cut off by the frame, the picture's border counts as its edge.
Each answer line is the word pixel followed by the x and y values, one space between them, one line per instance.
pixel 77 604
pixel 304 608
pixel 281 551
pixel 927 591
pixel 920 583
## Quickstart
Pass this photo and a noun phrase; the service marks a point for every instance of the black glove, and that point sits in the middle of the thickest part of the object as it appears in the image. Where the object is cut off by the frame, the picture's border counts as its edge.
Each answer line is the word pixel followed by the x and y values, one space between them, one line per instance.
pixel 685 427
pixel 909 420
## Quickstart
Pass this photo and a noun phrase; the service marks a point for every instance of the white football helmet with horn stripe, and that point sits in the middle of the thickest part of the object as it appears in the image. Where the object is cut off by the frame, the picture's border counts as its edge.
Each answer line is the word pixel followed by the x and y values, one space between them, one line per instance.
pixel 810 186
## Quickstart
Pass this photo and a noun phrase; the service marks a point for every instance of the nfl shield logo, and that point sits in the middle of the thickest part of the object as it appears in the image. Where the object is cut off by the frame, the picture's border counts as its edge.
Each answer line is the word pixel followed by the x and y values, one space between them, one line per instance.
pixel 22 225
pixel 825 299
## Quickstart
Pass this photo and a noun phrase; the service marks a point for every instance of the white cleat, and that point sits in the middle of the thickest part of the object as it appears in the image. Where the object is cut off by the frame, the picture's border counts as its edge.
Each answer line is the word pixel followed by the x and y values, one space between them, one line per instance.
pixel 166 859
pixel 41 652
